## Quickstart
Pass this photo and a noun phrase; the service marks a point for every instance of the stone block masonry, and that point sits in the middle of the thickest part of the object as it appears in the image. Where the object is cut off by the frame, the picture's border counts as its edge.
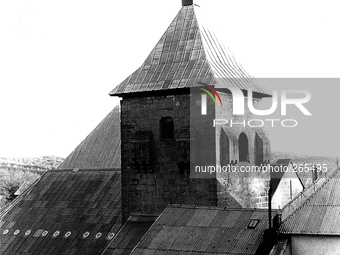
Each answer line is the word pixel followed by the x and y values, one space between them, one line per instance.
pixel 155 166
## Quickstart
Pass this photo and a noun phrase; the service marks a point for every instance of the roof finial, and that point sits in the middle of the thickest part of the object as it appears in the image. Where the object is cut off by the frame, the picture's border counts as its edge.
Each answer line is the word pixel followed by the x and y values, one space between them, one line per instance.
pixel 187 2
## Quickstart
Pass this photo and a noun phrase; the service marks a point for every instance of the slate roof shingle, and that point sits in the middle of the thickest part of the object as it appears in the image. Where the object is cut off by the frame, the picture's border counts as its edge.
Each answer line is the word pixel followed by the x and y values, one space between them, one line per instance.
pixel 187 53
pixel 65 202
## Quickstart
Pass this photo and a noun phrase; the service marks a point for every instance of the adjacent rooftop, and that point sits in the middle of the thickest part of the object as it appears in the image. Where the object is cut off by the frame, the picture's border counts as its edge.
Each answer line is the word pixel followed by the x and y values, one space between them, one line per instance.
pixel 182 229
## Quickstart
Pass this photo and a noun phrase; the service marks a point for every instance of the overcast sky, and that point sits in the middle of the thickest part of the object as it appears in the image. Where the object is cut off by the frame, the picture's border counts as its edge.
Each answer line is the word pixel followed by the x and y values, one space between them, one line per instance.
pixel 59 60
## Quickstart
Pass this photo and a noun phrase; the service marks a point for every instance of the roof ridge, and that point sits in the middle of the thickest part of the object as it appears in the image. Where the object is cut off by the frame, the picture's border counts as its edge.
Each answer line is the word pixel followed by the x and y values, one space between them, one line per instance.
pixel 187 206
pixel 114 170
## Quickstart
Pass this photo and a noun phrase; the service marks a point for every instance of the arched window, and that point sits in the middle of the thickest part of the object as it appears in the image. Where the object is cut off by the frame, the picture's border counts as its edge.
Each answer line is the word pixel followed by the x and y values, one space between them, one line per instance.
pixel 243 147
pixel 258 150
pixel 224 149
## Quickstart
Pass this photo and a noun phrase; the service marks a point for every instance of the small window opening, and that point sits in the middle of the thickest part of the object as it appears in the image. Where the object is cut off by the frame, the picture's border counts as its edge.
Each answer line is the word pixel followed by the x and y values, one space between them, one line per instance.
pixel 167 128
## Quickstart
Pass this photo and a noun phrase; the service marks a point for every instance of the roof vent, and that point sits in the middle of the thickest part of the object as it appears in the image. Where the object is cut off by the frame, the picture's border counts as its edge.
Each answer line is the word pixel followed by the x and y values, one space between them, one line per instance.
pixel 187 2
pixel 55 234
pixel 110 236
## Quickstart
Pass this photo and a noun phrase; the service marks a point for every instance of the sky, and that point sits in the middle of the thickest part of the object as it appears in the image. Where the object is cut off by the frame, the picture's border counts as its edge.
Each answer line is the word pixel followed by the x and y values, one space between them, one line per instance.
pixel 60 59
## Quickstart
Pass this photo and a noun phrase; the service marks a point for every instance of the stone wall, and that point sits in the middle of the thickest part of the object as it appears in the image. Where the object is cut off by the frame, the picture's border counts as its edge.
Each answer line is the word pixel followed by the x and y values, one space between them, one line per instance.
pixel 155 171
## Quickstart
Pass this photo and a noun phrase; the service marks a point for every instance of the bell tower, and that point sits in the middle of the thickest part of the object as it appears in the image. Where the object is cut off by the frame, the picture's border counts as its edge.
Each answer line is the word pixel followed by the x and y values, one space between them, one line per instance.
pixel 159 128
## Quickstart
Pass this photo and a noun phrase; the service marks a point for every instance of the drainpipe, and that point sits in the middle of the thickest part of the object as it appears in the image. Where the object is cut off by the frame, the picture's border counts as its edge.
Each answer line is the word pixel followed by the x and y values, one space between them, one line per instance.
pixel 270 205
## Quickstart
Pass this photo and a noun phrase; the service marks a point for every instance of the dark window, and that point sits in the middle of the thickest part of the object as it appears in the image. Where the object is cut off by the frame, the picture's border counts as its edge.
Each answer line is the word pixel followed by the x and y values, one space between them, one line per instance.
pixel 224 147
pixel 167 128
pixel 258 150
pixel 243 147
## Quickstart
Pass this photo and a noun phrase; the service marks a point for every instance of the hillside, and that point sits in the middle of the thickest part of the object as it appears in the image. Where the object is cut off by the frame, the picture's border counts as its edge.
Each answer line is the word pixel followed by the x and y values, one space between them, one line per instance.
pixel 301 157
pixel 34 164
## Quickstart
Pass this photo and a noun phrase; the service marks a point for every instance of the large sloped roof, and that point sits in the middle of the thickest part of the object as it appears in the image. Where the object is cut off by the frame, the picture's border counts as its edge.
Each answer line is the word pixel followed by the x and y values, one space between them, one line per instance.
pixel 182 229
pixel 187 53
pixel 100 149
pixel 54 216
pixel 319 212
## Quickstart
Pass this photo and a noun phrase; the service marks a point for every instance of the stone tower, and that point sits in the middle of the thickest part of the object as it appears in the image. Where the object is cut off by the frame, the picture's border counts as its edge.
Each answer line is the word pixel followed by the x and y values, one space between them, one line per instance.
pixel 161 120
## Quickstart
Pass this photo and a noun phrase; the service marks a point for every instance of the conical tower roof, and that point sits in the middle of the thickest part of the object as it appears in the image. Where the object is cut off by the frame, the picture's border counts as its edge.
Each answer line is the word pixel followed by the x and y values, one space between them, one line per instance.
pixel 187 53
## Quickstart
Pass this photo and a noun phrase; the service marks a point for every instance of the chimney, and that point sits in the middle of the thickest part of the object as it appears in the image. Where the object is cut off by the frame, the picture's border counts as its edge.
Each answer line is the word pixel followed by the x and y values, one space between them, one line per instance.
pixel 187 2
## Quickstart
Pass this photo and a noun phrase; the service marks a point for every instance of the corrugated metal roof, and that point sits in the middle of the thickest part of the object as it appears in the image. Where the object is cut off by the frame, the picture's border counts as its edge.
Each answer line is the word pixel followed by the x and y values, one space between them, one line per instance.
pixel 307 192
pixel 129 235
pixel 65 212
pixel 204 231
pixel 100 149
pixel 187 53
pixel 318 214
